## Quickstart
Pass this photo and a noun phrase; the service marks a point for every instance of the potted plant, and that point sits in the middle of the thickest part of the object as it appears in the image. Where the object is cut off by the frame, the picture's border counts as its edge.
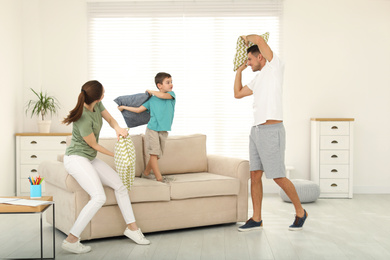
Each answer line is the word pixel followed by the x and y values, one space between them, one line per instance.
pixel 41 106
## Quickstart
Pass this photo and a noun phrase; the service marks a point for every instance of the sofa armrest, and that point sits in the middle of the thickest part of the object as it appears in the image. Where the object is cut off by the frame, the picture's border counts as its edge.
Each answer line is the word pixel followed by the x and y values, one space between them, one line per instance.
pixel 54 173
pixel 236 168
pixel 233 167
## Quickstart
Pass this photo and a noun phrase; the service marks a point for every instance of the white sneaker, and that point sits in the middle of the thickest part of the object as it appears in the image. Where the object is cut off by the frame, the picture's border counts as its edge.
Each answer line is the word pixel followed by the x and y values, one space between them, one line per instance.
pixel 76 248
pixel 136 236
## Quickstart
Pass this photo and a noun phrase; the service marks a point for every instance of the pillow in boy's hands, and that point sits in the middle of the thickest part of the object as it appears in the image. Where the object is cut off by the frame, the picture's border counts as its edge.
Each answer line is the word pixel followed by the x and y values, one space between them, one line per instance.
pixel 136 100
pixel 241 48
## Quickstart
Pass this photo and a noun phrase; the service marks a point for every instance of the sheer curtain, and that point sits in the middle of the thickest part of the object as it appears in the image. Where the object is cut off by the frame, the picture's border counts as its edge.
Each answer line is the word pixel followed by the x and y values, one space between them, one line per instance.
pixel 194 41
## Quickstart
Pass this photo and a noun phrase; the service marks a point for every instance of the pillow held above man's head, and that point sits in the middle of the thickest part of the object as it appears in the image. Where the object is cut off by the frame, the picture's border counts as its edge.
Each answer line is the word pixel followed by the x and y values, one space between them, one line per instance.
pixel 241 48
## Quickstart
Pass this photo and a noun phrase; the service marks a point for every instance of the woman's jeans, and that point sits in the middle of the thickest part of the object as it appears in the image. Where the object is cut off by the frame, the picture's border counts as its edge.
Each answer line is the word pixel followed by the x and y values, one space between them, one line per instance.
pixel 92 175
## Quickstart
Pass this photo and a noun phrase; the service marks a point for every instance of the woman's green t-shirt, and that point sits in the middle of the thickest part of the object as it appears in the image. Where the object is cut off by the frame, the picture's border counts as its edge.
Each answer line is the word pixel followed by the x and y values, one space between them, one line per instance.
pixel 89 122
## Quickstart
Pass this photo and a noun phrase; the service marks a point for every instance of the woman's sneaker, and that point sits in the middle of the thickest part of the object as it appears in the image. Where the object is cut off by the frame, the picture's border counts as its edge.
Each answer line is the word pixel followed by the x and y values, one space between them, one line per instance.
pixel 251 225
pixel 298 223
pixel 76 248
pixel 136 236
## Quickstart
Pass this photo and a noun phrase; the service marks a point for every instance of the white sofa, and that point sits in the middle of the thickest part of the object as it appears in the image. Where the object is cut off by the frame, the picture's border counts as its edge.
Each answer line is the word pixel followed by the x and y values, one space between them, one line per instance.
pixel 207 190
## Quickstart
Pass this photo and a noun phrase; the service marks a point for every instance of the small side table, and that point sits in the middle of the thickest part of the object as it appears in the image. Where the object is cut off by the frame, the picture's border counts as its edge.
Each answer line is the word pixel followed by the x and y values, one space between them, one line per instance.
pixel 17 209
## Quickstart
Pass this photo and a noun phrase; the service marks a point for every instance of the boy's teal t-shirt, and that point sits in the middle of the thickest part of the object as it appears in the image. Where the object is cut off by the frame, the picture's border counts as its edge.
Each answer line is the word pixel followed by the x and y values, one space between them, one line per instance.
pixel 89 122
pixel 161 112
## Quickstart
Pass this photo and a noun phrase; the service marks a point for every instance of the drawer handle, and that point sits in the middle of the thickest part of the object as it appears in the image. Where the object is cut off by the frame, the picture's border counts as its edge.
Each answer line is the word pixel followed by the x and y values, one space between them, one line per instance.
pixel 33 157
pixel 33 170
pixel 335 127
pixel 333 185
pixel 33 142
pixel 63 142
pixel 334 170
pixel 334 156
pixel 334 142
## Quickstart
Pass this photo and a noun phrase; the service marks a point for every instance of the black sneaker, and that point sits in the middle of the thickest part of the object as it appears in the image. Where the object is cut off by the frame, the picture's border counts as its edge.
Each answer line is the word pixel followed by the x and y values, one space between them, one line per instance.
pixel 298 223
pixel 251 225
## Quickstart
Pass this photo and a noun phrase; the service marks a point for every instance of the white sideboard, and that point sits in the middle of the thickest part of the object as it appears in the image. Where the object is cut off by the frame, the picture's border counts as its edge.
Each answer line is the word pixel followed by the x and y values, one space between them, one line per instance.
pixel 31 150
pixel 332 156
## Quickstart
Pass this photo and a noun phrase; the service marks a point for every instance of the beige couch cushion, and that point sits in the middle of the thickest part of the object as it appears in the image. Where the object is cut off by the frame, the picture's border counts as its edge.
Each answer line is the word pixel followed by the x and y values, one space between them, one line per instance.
pixel 203 184
pixel 143 190
pixel 183 154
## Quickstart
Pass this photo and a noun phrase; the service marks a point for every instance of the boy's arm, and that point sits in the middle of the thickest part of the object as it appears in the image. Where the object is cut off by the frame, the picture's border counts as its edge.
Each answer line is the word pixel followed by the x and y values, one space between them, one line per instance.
pixel 137 110
pixel 262 44
pixel 160 94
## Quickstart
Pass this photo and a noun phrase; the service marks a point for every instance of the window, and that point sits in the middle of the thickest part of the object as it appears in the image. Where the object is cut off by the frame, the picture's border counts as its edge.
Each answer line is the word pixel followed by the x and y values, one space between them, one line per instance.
pixel 194 41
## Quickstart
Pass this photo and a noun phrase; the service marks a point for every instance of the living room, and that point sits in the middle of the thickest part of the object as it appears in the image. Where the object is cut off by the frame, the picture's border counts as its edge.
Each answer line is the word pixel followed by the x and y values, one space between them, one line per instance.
pixel 337 63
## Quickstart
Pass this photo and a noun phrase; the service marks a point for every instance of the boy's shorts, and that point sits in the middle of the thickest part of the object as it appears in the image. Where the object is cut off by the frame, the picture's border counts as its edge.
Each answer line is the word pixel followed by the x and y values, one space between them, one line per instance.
pixel 267 144
pixel 155 142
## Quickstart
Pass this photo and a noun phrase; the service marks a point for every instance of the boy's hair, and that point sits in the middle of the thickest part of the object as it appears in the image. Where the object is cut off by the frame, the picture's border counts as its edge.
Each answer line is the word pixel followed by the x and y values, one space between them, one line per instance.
pixel 254 49
pixel 160 77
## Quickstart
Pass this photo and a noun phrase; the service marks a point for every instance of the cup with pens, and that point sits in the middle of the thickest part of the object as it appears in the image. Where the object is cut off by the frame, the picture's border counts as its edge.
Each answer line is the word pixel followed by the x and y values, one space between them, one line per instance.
pixel 35 187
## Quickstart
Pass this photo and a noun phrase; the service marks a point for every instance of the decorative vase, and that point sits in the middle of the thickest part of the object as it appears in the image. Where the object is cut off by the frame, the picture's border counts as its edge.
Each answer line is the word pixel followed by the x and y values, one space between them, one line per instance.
pixel 44 126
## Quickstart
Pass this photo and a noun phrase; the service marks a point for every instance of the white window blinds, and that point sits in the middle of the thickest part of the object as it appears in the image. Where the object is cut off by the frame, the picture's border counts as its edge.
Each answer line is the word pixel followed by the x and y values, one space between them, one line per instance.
pixel 194 41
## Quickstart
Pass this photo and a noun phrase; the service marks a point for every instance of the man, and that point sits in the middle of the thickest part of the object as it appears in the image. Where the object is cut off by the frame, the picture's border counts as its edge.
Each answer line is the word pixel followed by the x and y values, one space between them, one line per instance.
pixel 267 138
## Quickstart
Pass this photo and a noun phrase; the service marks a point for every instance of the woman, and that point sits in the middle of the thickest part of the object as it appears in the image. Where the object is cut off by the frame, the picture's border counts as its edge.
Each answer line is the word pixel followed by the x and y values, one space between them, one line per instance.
pixel 91 173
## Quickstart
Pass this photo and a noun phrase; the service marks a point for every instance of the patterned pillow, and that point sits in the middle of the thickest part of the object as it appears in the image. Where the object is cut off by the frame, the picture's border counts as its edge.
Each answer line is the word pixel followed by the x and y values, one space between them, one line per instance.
pixel 241 48
pixel 136 100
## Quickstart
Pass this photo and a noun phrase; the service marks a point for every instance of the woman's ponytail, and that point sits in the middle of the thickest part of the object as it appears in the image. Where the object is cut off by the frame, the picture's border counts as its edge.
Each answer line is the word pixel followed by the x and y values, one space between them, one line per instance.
pixel 90 92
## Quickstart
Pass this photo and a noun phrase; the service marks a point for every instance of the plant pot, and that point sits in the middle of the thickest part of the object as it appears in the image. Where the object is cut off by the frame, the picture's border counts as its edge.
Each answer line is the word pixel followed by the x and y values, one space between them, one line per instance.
pixel 44 126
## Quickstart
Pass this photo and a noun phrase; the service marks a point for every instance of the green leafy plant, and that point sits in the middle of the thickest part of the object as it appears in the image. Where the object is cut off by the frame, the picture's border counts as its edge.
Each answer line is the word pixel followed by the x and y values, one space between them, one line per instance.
pixel 42 105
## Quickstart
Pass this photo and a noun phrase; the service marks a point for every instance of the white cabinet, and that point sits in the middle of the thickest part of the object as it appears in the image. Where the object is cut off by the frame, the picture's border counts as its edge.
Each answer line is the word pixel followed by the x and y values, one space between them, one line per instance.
pixel 332 156
pixel 31 150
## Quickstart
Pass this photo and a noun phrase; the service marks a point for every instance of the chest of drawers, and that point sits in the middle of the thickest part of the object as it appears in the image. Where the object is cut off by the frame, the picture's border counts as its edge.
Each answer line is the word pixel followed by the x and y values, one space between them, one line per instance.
pixel 332 156
pixel 31 150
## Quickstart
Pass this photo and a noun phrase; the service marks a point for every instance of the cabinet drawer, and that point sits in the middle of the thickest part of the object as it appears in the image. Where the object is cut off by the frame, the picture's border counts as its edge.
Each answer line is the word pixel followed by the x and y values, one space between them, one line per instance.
pixel 334 157
pixel 334 128
pixel 36 157
pixel 334 142
pixel 334 185
pixel 43 143
pixel 334 171
pixel 28 170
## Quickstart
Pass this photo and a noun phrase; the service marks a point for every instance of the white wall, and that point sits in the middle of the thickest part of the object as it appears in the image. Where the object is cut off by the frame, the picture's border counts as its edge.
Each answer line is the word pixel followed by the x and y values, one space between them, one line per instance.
pixel 11 81
pixel 337 65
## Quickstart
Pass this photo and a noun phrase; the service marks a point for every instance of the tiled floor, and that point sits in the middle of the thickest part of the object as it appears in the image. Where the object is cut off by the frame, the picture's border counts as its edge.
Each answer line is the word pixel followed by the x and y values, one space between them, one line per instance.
pixel 355 228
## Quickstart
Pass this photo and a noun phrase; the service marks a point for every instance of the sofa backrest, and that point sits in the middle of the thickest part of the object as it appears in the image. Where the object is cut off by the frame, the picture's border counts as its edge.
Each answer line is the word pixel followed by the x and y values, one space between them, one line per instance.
pixel 109 144
pixel 183 154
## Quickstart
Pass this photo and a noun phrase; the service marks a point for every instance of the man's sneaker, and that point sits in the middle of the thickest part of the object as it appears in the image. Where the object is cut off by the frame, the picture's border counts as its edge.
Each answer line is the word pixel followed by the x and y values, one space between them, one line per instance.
pixel 136 236
pixel 76 248
pixel 298 223
pixel 251 225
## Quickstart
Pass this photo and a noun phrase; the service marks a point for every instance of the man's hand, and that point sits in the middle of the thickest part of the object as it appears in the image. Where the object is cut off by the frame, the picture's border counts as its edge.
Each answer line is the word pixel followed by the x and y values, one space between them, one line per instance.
pixel 243 66
pixel 245 40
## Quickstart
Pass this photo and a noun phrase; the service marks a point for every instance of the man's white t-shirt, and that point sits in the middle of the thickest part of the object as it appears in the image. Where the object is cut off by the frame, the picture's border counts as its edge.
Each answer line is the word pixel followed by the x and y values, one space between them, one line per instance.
pixel 267 92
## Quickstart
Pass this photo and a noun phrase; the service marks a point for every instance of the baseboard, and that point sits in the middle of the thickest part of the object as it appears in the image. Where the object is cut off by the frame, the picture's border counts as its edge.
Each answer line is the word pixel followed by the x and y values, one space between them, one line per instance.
pixel 371 190
pixel 273 188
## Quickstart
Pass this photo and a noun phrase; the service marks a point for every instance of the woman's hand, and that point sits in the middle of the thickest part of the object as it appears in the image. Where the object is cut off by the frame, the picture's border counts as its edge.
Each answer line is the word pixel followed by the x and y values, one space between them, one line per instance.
pixel 121 132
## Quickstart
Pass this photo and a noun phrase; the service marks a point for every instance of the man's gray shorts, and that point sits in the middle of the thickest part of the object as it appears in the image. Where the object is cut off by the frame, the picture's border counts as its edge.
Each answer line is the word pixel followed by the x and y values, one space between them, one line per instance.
pixel 267 144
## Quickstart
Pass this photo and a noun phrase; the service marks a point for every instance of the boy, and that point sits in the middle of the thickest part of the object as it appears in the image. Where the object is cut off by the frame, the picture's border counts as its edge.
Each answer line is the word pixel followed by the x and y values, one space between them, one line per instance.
pixel 161 107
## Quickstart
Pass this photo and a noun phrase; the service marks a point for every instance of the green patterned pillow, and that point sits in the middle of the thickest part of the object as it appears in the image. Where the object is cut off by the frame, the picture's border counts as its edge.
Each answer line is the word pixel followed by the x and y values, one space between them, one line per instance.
pixel 241 48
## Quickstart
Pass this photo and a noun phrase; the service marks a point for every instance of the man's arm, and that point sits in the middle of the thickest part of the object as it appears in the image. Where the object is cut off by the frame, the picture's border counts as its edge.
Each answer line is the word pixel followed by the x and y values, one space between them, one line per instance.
pixel 262 44
pixel 137 110
pixel 239 90
pixel 160 94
